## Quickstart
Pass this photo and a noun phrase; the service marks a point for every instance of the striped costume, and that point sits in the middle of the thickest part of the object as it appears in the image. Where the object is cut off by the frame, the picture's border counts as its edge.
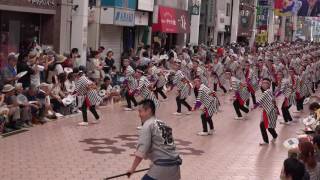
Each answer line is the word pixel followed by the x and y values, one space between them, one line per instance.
pixel 286 90
pixel 242 93
pixel 217 73
pixel 130 81
pixel 178 77
pixel 90 97
pixel 160 80
pixel 208 99
pixel 145 92
pixel 252 81
pixel 184 90
pixel 202 75
pixel 270 110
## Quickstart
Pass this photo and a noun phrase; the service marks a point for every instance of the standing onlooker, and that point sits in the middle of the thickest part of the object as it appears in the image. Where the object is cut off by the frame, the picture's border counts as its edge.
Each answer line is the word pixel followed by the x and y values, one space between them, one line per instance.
pixel 109 62
pixel 308 158
pixel 94 67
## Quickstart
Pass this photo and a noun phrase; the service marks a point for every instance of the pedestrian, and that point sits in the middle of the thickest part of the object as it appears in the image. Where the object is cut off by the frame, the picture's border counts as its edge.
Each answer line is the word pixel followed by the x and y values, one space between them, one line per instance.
pixel 156 144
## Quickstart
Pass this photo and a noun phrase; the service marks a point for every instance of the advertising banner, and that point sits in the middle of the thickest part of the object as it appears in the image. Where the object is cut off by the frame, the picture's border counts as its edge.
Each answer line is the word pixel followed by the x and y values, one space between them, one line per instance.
pixel 297 7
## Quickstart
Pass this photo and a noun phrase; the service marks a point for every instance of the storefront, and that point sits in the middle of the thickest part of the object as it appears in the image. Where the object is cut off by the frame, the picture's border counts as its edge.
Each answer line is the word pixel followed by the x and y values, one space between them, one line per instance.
pixel 25 21
pixel 171 27
pixel 117 32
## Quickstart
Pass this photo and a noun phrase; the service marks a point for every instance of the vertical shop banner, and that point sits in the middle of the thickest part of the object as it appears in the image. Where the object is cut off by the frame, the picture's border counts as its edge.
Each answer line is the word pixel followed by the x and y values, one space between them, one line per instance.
pixel 262 15
pixel 246 18
pixel 297 7
pixel 183 21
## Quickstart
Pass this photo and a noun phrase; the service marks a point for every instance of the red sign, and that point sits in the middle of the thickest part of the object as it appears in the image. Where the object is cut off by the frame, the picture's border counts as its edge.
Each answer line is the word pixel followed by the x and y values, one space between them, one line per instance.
pixel 172 21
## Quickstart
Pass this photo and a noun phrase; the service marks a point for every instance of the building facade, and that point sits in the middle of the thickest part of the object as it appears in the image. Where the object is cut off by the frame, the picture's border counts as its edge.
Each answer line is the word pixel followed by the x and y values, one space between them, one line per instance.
pixel 24 21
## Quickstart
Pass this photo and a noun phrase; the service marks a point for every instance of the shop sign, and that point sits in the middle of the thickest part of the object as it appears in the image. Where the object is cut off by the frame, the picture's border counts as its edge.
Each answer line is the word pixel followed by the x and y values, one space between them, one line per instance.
pixel 123 17
pixel 106 15
pixel 141 18
pixel 146 5
pixel 172 21
pixel 43 2
pixel 195 7
pixel 183 21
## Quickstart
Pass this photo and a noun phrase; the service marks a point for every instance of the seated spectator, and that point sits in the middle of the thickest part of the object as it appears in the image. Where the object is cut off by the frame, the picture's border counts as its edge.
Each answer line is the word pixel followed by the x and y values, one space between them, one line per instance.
pixel 4 111
pixel 37 108
pixel 293 169
pixel 307 156
pixel 316 143
pixel 45 100
pixel 57 94
pixel 14 122
pixel 9 72
pixel 315 110
pixel 109 91
pixel 24 66
pixel 25 107
pixel 70 84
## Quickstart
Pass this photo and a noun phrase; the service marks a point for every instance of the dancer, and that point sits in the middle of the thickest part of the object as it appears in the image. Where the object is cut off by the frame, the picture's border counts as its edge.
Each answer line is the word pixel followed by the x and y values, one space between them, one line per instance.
pixel 145 87
pixel 210 102
pixel 184 91
pixel 157 144
pixel 130 85
pixel 269 112
pixel 252 81
pixel 159 84
pixel 87 95
pixel 241 98
pixel 289 98
pixel 217 72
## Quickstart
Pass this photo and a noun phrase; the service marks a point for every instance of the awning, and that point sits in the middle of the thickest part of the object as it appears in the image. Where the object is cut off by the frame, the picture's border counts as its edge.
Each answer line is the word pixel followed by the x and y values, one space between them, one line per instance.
pixel 172 21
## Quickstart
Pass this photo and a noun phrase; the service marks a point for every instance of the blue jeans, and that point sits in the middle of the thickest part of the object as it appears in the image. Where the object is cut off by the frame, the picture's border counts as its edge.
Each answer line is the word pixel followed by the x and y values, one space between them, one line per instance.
pixel 147 177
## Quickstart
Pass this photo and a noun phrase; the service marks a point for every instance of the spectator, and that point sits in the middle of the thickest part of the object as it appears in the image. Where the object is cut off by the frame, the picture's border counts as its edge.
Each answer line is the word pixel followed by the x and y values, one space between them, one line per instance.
pixel 37 108
pixel 9 72
pixel 23 66
pixel 25 106
pixel 14 110
pixel 72 60
pixel 316 143
pixel 95 67
pixel 35 69
pixel 109 62
pixel 57 94
pixel 307 156
pixel 293 169
pixel 45 99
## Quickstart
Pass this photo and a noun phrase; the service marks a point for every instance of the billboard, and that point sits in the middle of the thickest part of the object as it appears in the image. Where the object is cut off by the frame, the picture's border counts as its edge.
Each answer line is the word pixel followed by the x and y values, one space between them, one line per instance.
pixel 297 7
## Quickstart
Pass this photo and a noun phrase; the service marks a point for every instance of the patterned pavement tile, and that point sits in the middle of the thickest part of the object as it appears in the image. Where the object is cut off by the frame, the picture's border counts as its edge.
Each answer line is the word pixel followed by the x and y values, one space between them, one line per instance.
pixel 61 150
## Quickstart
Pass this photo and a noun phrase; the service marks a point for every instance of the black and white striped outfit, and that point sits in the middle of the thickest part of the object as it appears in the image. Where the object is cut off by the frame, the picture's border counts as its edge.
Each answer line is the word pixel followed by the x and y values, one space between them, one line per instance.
pixel 242 91
pixel 217 72
pixel 178 77
pixel 202 76
pixel 286 90
pixel 145 92
pixel 209 101
pixel 160 81
pixel 83 92
pixel 267 102
pixel 132 82
pixel 87 98
pixel 184 90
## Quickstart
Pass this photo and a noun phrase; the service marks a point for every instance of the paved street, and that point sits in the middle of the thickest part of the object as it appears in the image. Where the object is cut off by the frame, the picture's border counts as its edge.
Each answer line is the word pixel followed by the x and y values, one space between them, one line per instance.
pixel 62 150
